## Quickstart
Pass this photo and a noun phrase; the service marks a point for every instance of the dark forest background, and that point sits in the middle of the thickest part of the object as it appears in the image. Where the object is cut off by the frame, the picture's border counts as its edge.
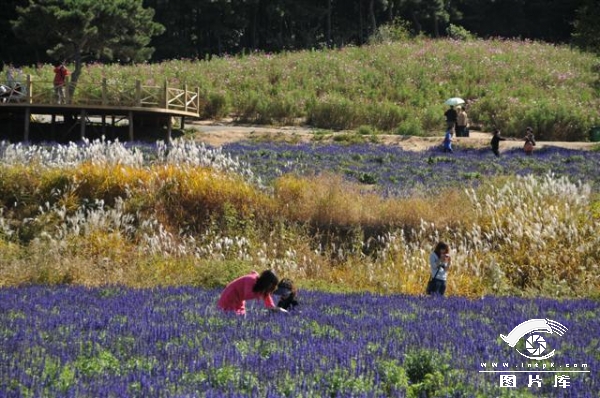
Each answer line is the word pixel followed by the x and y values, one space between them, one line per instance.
pixel 202 28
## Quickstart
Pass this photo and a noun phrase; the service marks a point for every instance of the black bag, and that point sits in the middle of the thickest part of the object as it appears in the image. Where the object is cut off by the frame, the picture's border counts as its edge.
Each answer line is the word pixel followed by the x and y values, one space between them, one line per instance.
pixel 430 284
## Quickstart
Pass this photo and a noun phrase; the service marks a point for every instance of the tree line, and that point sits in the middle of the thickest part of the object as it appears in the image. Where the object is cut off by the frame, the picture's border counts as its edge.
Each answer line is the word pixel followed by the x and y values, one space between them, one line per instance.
pixel 32 31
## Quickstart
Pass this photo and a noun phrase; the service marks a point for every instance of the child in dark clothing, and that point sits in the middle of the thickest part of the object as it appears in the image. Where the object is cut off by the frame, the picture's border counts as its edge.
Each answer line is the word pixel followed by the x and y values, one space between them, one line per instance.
pixel 529 142
pixel 287 293
pixel 496 142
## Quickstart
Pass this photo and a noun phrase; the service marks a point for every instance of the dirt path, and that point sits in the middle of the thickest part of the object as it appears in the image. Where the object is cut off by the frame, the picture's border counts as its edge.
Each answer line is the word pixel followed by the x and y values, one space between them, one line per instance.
pixel 221 133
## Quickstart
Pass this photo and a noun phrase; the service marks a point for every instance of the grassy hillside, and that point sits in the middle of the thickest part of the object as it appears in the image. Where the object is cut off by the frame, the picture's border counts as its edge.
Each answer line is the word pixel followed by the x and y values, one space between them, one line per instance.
pixel 397 87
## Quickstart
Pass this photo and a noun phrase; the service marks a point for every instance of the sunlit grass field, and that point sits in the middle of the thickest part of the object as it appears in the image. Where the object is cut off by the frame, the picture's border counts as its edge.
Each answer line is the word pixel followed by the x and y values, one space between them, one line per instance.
pixel 396 87
pixel 106 213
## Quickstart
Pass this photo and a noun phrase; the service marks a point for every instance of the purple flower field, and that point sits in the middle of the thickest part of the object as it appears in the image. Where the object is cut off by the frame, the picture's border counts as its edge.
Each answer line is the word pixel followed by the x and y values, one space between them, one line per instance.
pixel 400 172
pixel 173 342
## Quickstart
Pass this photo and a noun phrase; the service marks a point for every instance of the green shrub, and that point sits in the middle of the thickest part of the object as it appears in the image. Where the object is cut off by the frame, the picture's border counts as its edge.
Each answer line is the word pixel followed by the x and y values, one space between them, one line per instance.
pixel 365 130
pixel 425 370
pixel 216 106
pixel 409 127
pixel 398 30
pixel 457 32
pixel 335 112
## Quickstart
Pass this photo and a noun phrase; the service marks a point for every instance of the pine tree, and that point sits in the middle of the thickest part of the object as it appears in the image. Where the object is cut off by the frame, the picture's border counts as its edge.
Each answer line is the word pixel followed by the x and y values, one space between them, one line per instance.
pixel 76 30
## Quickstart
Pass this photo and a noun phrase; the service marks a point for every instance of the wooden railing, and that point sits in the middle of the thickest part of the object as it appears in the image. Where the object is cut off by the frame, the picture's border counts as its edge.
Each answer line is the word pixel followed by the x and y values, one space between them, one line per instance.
pixel 113 94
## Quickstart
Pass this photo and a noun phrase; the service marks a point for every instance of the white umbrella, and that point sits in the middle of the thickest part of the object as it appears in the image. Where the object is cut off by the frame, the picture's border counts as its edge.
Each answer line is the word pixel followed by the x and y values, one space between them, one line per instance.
pixel 454 101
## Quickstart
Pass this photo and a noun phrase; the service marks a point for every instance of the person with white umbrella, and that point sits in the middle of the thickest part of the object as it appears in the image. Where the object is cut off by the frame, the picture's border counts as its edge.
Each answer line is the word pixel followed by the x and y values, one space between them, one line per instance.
pixel 451 114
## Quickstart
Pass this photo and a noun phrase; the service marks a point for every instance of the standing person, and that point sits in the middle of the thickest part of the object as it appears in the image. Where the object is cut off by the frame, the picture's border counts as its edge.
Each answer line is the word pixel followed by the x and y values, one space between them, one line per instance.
pixel 529 142
pixel 439 262
pixel 462 123
pixel 60 75
pixel 451 117
pixel 448 140
pixel 249 287
pixel 287 292
pixel 495 143
pixel 11 81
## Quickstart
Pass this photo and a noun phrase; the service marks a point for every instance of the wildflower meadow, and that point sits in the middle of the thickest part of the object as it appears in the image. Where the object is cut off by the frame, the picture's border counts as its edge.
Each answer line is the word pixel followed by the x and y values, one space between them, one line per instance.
pixel 394 87
pixel 113 255
pixel 173 342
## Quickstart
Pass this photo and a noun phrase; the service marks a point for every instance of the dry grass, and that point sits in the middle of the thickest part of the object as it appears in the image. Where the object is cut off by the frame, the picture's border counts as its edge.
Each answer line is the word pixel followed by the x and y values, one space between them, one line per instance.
pixel 329 200
pixel 172 225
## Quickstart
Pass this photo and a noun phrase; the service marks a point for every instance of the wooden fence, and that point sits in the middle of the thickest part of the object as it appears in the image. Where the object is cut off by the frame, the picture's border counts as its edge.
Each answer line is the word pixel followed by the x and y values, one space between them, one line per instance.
pixel 115 95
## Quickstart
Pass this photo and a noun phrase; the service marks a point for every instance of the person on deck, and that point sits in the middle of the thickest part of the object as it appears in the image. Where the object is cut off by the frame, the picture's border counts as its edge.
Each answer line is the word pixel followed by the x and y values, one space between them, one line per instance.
pixel 60 76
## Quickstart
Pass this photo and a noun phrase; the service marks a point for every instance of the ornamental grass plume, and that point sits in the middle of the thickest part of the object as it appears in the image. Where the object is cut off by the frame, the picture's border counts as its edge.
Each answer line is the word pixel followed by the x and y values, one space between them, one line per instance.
pixel 330 201
pixel 538 232
pixel 187 213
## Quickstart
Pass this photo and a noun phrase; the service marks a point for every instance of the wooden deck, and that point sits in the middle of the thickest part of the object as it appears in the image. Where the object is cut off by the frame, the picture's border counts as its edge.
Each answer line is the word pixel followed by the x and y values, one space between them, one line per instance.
pixel 138 104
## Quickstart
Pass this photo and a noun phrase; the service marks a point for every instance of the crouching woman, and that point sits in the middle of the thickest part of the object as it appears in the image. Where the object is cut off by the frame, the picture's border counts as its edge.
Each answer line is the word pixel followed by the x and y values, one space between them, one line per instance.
pixel 249 287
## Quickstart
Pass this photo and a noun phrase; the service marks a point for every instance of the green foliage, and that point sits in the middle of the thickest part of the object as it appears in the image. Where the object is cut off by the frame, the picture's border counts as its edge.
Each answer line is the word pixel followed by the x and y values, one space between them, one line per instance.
pixel 587 29
pixel 398 87
pixel 340 382
pixel 216 106
pixel 228 376
pixel 115 30
pixel 367 178
pixel 457 32
pixel 335 112
pixel 393 376
pixel 97 363
pixel 410 127
pixel 103 30
pixel 425 371
pixel 365 130
pixel 398 30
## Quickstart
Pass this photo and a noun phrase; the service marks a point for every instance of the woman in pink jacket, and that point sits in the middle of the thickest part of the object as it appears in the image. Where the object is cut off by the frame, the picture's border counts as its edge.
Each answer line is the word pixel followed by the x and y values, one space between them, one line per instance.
pixel 249 287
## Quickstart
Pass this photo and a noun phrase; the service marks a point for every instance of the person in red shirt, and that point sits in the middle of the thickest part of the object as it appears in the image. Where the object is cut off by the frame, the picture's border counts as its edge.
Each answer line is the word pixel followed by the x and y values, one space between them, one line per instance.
pixel 60 75
pixel 249 287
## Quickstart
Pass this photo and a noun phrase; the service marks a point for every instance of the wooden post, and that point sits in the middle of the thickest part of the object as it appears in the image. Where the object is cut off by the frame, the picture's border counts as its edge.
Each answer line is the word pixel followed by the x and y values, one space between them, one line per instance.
pixel 104 92
pixel 169 129
pixel 182 123
pixel 185 97
pixel 27 120
pixel 130 117
pixel 29 88
pixel 82 124
pixel 165 95
pixel 67 91
pixel 53 124
pixel 103 124
pixel 198 100
pixel 138 93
